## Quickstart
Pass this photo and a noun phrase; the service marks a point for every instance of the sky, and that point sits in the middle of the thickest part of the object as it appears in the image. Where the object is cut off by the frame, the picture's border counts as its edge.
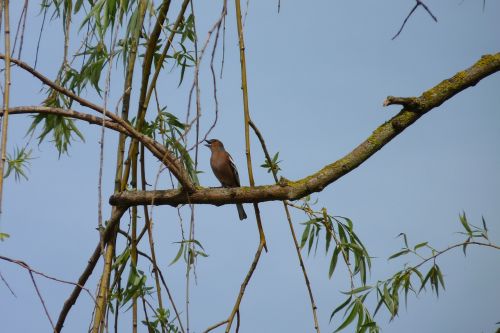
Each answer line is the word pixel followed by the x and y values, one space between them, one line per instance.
pixel 318 74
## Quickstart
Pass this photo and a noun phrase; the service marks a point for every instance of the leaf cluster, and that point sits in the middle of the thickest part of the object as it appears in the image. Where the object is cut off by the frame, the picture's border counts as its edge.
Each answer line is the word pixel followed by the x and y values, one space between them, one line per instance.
pixel 18 163
pixel 190 250
pixel 412 278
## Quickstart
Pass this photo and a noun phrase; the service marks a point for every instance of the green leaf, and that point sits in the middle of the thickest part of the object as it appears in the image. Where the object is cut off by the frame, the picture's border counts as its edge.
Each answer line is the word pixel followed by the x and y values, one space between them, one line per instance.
pixel 328 240
pixel 333 261
pixel 361 317
pixel 357 290
pixel 311 240
pixel 419 245
pixel 440 276
pixel 18 163
pixel 62 129
pixel 340 307
pixel 427 276
pixel 349 318
pixel 3 236
pixel 404 238
pixel 122 258
pixel 179 253
pixel 465 224
pixel 400 253
pixel 484 224
pixel 304 236
pixel 464 247
pixel 388 301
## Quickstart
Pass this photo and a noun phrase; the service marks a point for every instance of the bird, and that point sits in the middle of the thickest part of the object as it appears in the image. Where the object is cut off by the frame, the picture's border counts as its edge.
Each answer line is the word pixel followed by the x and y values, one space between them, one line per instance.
pixel 224 169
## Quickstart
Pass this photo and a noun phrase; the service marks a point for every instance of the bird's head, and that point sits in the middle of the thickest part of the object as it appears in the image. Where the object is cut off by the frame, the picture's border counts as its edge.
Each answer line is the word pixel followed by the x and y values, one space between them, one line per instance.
pixel 214 144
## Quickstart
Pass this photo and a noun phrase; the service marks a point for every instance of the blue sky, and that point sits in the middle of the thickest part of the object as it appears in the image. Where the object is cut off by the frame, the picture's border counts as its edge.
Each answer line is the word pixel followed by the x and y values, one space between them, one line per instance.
pixel 318 74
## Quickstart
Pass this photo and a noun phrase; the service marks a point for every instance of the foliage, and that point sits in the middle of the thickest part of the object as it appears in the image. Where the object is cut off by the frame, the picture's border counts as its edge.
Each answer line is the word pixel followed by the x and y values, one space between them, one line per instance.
pixel 189 250
pixel 62 130
pixel 410 279
pixel 18 163
pixel 272 166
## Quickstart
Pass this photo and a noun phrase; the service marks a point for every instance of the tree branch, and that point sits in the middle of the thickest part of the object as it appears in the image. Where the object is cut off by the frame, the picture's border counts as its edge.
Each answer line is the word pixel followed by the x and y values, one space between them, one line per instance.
pixel 292 190
pixel 116 215
pixel 165 156
pixel 67 113
pixel 418 3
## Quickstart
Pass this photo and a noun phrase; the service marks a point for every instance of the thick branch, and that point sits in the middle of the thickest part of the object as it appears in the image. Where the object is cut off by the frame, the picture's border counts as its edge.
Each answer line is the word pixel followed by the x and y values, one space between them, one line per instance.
pixel 291 190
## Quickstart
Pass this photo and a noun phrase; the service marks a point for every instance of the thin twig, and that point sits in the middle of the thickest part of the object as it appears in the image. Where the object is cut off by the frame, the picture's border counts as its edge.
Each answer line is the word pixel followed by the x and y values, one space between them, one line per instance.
pixel 7 285
pixel 42 301
pixel 29 268
pixel 418 3
pixel 103 127
pixel 149 226
pixel 215 326
pixel 244 285
pixel 292 230
pixel 22 20
pixel 451 247
pixel 40 36
pixel 215 27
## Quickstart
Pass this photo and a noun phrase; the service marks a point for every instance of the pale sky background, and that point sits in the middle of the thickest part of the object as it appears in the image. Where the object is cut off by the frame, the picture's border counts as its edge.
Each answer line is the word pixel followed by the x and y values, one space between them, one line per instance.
pixel 318 73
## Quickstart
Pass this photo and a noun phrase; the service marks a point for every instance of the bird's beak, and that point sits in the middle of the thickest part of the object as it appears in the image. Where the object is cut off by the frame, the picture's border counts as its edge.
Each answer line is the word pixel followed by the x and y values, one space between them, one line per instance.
pixel 209 142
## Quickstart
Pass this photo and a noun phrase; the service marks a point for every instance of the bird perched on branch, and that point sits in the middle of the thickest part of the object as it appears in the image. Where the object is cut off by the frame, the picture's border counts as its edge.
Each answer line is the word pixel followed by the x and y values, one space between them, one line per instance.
pixel 224 169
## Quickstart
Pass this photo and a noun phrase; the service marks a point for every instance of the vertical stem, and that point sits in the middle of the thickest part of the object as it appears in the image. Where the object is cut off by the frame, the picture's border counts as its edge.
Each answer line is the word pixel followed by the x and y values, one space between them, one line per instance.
pixel 292 230
pixel 149 225
pixel 262 242
pixel 244 88
pixel 303 267
pixel 101 306
pixel 102 296
pixel 127 90
pixel 6 94
pixel 246 110
pixel 191 257
pixel 133 245
pixel 145 93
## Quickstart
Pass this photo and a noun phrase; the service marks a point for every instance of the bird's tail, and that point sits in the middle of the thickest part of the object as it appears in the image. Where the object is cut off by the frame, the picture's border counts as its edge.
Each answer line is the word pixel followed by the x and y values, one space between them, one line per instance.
pixel 241 211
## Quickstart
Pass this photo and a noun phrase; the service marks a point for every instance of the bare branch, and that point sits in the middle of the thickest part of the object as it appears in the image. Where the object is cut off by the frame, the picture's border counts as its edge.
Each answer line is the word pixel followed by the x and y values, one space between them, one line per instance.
pixel 116 215
pixel 418 3
pixel 7 285
pixel 41 300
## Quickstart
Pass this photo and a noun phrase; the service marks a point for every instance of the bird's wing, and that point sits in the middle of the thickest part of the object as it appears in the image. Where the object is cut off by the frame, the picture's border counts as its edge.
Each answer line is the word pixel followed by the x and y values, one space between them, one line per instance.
pixel 235 171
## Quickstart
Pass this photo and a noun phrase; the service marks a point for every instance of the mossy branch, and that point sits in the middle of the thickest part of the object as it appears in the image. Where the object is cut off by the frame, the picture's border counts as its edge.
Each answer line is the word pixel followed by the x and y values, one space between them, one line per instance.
pixel 292 190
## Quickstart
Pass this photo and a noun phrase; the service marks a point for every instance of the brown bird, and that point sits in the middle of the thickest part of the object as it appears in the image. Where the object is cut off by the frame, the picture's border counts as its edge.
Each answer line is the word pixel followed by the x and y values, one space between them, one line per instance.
pixel 224 169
